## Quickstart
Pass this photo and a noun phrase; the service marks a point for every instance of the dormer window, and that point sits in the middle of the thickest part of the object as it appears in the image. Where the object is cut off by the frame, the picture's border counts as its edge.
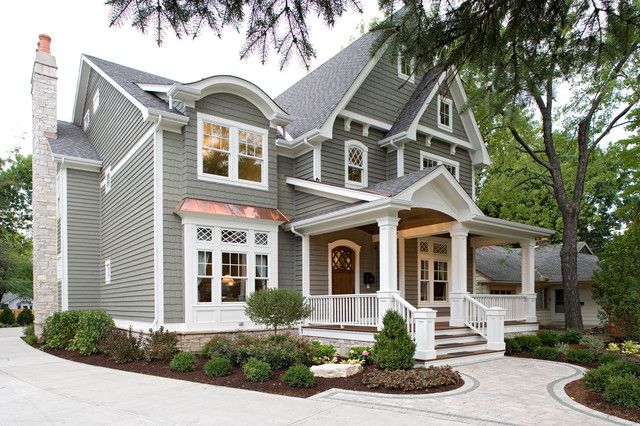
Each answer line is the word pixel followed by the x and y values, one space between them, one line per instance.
pixel 406 65
pixel 355 157
pixel 445 109
pixel 232 152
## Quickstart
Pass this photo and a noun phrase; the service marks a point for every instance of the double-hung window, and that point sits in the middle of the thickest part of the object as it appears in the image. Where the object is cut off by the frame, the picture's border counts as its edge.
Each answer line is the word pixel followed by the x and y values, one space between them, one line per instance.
pixel 445 111
pixel 232 152
pixel 406 65
pixel 433 264
pixel 355 165
pixel 428 159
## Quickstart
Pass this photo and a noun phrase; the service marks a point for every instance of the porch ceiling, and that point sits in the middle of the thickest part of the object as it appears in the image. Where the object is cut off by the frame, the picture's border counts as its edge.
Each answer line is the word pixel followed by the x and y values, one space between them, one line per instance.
pixel 413 218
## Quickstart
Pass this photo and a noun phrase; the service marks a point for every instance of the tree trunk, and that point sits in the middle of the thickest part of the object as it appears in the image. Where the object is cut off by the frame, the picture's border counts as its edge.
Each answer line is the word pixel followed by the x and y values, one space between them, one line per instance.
pixel 569 265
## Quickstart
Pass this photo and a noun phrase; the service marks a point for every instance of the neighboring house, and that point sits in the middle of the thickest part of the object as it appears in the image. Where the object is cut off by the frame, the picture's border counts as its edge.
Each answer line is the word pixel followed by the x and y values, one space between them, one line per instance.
pixel 15 301
pixel 175 201
pixel 498 273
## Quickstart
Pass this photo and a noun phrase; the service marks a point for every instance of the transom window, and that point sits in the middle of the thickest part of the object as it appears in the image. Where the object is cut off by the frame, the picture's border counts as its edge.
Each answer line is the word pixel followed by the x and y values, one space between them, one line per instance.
pixel 233 236
pixel 356 174
pixel 428 159
pixel 232 152
pixel 445 109
pixel 433 265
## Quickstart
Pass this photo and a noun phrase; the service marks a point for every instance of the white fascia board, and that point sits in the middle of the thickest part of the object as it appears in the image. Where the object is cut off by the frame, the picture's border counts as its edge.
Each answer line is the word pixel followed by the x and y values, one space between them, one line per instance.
pixel 300 145
pixel 78 163
pixel 156 88
pixel 446 137
pixel 412 131
pixel 507 228
pixel 81 92
pixel 331 191
pixel 360 118
pixel 401 137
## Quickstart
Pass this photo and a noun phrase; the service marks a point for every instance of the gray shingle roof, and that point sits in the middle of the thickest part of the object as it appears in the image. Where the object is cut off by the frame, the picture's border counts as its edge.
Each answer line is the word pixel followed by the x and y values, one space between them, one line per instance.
pixel 128 77
pixel 415 102
pixel 501 264
pixel 392 187
pixel 312 99
pixel 71 141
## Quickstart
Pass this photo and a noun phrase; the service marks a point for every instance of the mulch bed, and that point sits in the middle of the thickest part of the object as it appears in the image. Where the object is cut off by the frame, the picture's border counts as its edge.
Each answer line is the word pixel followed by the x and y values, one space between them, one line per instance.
pixel 236 379
pixel 579 392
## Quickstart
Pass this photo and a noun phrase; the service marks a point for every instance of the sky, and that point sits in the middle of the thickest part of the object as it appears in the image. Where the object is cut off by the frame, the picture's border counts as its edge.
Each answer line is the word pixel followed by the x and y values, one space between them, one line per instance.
pixel 82 26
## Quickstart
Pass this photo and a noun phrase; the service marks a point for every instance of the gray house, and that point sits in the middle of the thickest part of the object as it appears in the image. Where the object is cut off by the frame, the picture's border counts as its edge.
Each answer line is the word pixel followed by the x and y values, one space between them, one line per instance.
pixel 172 201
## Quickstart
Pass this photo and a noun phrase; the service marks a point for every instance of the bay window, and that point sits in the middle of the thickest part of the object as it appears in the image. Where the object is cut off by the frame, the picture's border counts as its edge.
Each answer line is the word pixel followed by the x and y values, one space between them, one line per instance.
pixel 232 152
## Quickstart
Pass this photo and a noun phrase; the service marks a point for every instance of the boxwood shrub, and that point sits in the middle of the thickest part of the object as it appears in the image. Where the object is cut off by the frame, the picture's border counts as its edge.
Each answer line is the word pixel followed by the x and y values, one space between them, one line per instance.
pixel 548 338
pixel 512 346
pixel 6 317
pixel 394 348
pixel 527 342
pixel 299 376
pixel 25 317
pixel 545 352
pixel 218 367
pixel 183 362
pixel 571 336
pixel 581 356
pixel 597 378
pixel 623 391
pixel 256 371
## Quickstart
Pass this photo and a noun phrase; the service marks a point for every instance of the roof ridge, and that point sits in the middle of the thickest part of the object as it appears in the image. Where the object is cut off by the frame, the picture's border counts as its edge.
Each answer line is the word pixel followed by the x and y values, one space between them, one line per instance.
pixel 137 70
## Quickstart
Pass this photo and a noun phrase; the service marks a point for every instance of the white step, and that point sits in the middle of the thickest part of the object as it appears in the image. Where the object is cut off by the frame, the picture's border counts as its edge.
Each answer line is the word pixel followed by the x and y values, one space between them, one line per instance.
pixel 452 338
pixel 455 347
pixel 453 331
pixel 463 360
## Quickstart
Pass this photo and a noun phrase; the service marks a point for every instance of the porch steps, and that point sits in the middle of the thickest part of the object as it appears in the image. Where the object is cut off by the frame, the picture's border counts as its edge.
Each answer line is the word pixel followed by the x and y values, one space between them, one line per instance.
pixel 462 358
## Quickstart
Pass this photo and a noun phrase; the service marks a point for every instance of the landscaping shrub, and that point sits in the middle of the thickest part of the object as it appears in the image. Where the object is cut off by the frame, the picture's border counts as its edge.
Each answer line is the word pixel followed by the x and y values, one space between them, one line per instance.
pixel 25 317
pixel 91 327
pixel 160 345
pixel 581 356
pixel 256 371
pixel 593 343
pixel 394 348
pixel 608 357
pixel 527 342
pixel 60 329
pixel 361 354
pixel 31 339
pixel 278 351
pixel 220 346
pixel 183 362
pixel 597 378
pixel 412 380
pixel 623 391
pixel 571 336
pixel 563 348
pixel 512 346
pixel 122 347
pixel 277 308
pixel 548 338
pixel 218 367
pixel 545 352
pixel 6 317
pixel 299 376
pixel 323 354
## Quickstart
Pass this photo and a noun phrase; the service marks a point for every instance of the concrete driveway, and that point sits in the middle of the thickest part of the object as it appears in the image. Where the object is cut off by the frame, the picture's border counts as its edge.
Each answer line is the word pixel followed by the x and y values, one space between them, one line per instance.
pixel 37 388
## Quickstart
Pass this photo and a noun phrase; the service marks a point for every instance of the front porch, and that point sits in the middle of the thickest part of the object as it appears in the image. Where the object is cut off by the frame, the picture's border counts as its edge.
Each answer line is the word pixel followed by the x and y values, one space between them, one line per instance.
pixel 413 252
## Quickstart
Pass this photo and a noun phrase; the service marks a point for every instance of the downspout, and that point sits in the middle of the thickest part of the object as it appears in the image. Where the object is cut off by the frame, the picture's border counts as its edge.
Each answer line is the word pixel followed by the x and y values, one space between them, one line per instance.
pixel 294 232
pixel 156 320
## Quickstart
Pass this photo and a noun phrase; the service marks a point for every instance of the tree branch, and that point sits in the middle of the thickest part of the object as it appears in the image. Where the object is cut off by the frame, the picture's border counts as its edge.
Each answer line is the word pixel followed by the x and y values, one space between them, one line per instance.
pixel 528 149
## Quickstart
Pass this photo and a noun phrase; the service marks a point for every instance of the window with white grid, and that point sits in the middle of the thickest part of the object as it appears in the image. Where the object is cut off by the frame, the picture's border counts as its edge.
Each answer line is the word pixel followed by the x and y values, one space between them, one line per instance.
pixel 233 236
pixel 433 270
pixel 204 234
pixel 355 164
pixel 445 111
pixel 262 239
pixel 428 159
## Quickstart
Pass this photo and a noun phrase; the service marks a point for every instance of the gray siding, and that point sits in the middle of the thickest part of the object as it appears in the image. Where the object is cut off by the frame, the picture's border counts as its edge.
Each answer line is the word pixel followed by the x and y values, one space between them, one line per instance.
pixel 411 271
pixel 306 204
pixel 303 166
pixel 83 239
pixel 430 119
pixel 287 267
pixel 286 193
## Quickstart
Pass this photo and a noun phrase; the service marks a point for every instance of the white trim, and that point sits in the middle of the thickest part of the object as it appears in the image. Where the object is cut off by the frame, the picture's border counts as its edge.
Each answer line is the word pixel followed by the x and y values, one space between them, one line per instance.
pixel 400 161
pixel 157 88
pixel 365 164
pixel 132 151
pixel 383 125
pixel 158 225
pixel 408 77
pixel 86 120
pixel 412 130
pixel 234 152
pixel 96 100
pixel 449 103
pixel 401 265
pixel 331 191
pixel 432 257
pixel 440 160
pixel 492 226
pixel 306 265
pixel 108 179
pixel 431 132
pixel 317 162
pixel 107 271
pixel 356 249
pixel 64 243
pixel 77 163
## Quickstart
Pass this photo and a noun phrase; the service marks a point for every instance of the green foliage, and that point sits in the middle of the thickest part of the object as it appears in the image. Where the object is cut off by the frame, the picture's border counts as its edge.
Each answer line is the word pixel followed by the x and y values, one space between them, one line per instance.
pixel 183 362
pixel 6 317
pixel 413 379
pixel 91 327
pixel 277 351
pixel 25 317
pixel 527 342
pixel 623 391
pixel 218 367
pixel 617 282
pixel 30 330
pixel 563 348
pixel 512 346
pixel 220 346
pixel 608 357
pixel 594 343
pixel 122 347
pixel 277 308
pixel 15 192
pixel 597 378
pixel 60 329
pixel 360 353
pixel 31 339
pixel 571 336
pixel 299 376
pixel 580 356
pixel 394 348
pixel 548 338
pixel 323 354
pixel 256 371
pixel 160 345
pixel 548 353
pixel 16 271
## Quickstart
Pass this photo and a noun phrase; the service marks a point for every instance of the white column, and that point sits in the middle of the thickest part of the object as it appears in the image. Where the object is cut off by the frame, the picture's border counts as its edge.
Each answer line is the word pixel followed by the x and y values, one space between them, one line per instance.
pixel 528 287
pixel 495 328
pixel 388 247
pixel 458 273
pixel 425 334
pixel 306 274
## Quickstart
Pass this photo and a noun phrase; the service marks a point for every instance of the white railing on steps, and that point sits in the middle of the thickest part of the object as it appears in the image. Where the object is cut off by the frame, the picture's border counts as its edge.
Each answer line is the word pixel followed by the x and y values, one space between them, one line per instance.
pixel 406 311
pixel 344 309
pixel 514 304
pixel 475 315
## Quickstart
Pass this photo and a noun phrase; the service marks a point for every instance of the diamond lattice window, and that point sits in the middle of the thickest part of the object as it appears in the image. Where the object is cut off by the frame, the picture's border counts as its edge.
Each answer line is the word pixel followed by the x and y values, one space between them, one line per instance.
pixel 440 248
pixel 204 234
pixel 424 246
pixel 342 259
pixel 234 237
pixel 262 239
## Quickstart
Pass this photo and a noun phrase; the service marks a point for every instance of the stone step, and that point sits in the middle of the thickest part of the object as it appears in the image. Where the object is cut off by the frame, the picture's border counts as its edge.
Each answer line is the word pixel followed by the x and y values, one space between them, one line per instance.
pixel 447 348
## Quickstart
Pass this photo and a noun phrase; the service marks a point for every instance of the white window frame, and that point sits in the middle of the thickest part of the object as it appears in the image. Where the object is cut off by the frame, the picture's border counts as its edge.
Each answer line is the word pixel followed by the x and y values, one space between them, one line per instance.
pixel 108 178
pixel 365 164
pixel 86 120
pixel 431 257
pixel 107 271
pixel 440 160
pixel 402 75
pixel 449 102
pixel 234 152
pixel 96 100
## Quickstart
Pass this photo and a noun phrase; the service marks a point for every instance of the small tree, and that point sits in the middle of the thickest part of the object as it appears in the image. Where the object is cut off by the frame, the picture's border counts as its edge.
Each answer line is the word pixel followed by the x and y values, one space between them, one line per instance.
pixel 394 348
pixel 617 288
pixel 277 308
pixel 6 317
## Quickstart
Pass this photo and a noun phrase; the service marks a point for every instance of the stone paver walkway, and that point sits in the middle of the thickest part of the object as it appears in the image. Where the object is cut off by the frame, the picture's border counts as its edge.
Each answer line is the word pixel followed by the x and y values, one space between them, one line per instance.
pixel 38 388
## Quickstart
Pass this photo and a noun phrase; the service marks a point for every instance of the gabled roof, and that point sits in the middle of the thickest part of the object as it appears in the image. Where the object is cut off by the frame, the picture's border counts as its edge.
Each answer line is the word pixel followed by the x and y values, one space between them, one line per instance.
pixel 312 99
pixel 71 142
pixel 392 187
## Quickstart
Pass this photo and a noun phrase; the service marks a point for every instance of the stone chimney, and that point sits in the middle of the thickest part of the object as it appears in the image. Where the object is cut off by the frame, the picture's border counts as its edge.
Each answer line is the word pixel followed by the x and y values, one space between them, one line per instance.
pixel 46 298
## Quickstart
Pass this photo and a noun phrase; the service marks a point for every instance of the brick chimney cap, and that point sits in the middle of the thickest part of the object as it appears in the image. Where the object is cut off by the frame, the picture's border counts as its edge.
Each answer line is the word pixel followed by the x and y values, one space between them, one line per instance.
pixel 44 43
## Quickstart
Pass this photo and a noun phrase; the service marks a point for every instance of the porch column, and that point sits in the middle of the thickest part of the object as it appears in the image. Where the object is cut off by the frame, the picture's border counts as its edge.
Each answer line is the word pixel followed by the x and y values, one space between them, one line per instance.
pixel 528 287
pixel 388 248
pixel 458 273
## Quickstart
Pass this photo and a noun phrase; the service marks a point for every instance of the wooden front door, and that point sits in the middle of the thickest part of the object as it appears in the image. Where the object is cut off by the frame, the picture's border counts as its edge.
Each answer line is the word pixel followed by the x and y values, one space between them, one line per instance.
pixel 343 270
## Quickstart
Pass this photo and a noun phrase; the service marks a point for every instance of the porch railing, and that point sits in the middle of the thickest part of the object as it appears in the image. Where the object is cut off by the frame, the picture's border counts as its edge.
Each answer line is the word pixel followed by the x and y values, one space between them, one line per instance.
pixel 514 304
pixel 344 309
pixel 475 315
pixel 406 311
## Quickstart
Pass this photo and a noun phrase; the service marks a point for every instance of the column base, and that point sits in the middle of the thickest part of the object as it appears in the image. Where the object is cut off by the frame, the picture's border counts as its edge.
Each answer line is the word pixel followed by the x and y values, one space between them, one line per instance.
pixel 456 305
pixel 425 355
